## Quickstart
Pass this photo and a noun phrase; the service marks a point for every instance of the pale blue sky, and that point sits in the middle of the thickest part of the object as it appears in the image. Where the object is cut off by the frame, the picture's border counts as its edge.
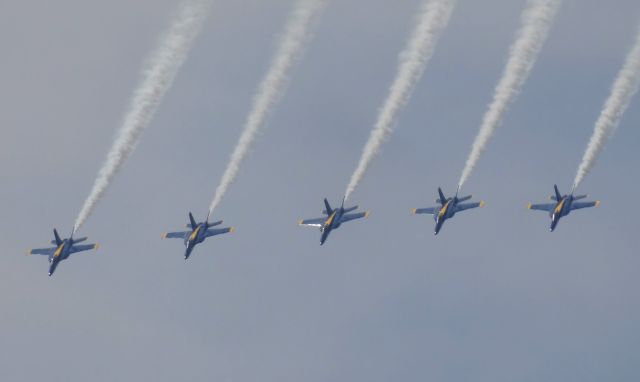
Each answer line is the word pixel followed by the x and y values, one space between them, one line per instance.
pixel 495 297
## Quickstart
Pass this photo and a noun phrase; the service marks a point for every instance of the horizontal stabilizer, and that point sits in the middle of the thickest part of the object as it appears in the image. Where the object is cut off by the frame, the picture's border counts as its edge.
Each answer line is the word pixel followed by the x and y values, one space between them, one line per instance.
pixel 462 199
pixel 214 223
pixel 578 197
pixel 80 240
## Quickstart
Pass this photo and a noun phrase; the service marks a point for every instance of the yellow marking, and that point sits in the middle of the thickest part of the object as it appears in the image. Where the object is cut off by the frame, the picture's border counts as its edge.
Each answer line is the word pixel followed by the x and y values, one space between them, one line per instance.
pixel 444 209
pixel 232 229
pixel 96 246
pixel 529 205
pixel 329 221
pixel 366 214
pixel 597 203
pixel 300 221
pixel 164 235
pixel 29 252
pixel 413 211
pixel 194 234
pixel 481 204
pixel 59 250
pixel 559 206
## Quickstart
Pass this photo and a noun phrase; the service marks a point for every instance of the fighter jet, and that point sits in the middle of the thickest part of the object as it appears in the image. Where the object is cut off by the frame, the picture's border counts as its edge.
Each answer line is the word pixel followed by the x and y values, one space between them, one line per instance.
pixel 447 208
pixel 62 250
pixel 563 205
pixel 199 232
pixel 333 219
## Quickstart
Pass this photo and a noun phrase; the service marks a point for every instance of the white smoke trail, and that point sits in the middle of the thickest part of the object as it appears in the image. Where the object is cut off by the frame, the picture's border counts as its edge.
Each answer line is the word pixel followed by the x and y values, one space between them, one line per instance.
pixel 432 19
pixel 158 78
pixel 290 46
pixel 536 22
pixel 624 87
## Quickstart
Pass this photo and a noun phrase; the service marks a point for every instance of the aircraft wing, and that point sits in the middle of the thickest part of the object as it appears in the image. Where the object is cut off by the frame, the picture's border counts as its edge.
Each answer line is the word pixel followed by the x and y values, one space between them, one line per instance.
pixel 41 251
pixel 578 205
pixel 318 222
pixel 85 247
pixel 542 207
pixel 176 235
pixel 349 217
pixel 219 231
pixel 430 210
pixel 467 206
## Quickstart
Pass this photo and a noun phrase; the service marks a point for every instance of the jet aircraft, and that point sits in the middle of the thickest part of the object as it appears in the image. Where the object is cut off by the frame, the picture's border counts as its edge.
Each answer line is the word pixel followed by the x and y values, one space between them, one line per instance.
pixel 62 250
pixel 447 209
pixel 334 219
pixel 199 232
pixel 563 205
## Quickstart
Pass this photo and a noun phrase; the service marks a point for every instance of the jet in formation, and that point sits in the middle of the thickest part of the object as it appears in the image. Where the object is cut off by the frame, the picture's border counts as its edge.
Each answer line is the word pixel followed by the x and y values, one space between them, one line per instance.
pixel 333 219
pixel 563 205
pixel 62 250
pixel 197 234
pixel 447 208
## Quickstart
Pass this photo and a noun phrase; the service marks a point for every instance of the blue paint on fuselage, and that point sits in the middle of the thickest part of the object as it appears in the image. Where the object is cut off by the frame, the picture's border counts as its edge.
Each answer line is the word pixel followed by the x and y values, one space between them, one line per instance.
pixel 562 208
pixel 447 211
pixel 62 252
pixel 333 221
pixel 198 235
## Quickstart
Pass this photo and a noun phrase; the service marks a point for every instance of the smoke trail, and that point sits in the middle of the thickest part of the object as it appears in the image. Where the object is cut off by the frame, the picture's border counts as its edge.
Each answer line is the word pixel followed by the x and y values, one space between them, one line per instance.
pixel 624 87
pixel 536 21
pixel 158 78
pixel 270 90
pixel 432 19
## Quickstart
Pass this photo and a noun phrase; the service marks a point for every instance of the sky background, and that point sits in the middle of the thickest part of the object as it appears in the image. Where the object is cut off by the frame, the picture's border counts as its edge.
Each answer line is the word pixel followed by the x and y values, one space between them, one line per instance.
pixel 494 297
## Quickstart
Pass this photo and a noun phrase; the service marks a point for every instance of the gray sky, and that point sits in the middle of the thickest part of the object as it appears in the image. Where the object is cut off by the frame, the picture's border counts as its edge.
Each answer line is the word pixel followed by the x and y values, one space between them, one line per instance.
pixel 495 297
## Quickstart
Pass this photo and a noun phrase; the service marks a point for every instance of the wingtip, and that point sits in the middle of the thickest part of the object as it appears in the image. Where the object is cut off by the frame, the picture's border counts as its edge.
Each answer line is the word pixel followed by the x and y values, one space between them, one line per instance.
pixel 481 203
pixel 28 252
pixel 414 211
pixel 529 206
pixel 366 214
pixel 96 246
pixel 300 221
pixel 164 235
pixel 232 229
pixel 597 203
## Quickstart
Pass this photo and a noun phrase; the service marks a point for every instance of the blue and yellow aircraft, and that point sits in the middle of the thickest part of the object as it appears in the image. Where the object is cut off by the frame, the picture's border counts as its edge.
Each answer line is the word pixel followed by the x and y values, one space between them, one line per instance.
pixel 447 208
pixel 199 232
pixel 563 205
pixel 62 250
pixel 333 220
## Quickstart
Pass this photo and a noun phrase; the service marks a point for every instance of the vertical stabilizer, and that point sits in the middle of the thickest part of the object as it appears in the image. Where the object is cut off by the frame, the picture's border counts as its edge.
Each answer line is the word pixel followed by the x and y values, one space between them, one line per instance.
pixel 558 195
pixel 328 207
pixel 58 240
pixel 192 221
pixel 443 198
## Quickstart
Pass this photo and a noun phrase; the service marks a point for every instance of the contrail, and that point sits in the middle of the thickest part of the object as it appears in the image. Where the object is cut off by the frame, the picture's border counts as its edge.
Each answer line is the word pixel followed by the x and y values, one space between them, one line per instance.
pixel 624 87
pixel 162 68
pixel 290 46
pixel 536 22
pixel 432 19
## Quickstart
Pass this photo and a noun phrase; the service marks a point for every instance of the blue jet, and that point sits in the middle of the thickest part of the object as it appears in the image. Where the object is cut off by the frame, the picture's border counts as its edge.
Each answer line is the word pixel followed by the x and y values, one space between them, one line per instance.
pixel 62 250
pixel 333 219
pixel 447 208
pixel 199 232
pixel 563 206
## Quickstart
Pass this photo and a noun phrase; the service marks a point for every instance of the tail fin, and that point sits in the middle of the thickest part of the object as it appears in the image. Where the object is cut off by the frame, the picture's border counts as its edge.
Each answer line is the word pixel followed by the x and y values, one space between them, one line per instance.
pixel 558 195
pixel 443 199
pixel 328 206
pixel 58 240
pixel 192 221
pixel 209 225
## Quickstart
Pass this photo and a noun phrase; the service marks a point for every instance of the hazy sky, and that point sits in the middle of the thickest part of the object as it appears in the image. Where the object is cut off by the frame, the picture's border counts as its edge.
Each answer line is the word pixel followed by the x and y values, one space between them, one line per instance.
pixel 494 297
